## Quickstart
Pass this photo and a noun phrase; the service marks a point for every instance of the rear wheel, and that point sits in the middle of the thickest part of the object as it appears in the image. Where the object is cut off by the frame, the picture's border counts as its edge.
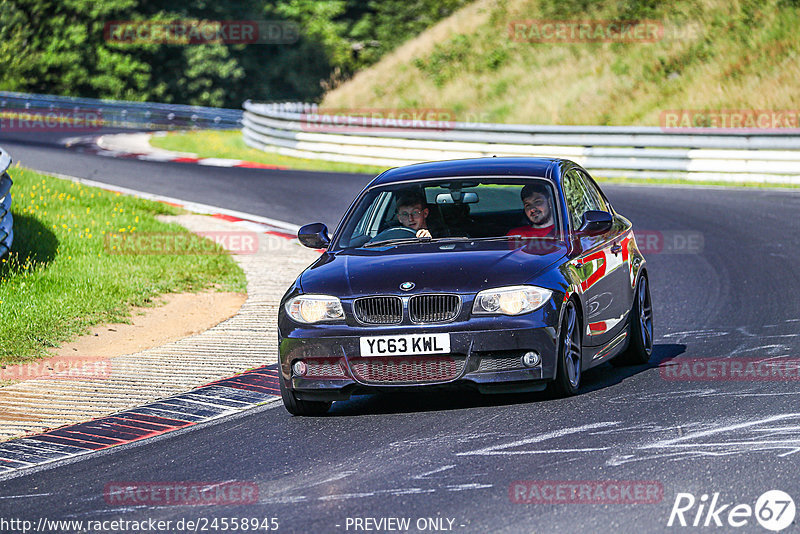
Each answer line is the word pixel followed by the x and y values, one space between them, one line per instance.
pixel 296 406
pixel 640 347
pixel 568 365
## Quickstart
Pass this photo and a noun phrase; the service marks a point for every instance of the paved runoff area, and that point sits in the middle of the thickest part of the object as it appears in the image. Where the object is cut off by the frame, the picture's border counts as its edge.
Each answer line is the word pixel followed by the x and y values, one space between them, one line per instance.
pixel 165 388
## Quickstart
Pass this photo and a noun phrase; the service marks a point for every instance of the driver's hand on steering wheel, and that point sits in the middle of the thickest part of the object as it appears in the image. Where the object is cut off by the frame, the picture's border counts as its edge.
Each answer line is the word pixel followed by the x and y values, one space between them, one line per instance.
pixel 423 232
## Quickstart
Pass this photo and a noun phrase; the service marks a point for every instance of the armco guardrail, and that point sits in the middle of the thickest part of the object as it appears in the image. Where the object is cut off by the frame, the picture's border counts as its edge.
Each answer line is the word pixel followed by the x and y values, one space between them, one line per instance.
pixel 638 152
pixel 6 220
pixel 123 114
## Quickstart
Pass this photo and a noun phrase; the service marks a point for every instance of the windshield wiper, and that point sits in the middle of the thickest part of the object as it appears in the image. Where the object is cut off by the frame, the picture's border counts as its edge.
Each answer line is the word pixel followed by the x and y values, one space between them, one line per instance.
pixel 515 237
pixel 387 242
pixel 410 240
pixel 503 237
pixel 451 238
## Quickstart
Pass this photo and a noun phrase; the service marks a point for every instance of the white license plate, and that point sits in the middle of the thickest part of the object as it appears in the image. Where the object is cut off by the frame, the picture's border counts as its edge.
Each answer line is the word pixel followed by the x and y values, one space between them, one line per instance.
pixel 405 344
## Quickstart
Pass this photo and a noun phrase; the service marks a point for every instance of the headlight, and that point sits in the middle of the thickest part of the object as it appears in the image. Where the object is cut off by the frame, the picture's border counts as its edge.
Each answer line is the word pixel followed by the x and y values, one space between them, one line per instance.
pixel 513 300
pixel 314 308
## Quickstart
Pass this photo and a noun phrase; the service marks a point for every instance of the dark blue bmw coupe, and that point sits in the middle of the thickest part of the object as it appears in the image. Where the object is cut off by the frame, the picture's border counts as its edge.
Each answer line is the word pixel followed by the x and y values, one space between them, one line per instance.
pixel 499 274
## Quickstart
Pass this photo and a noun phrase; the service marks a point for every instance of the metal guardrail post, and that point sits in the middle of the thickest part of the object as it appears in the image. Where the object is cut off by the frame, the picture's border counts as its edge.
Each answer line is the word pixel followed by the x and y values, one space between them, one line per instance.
pixel 128 114
pixel 296 129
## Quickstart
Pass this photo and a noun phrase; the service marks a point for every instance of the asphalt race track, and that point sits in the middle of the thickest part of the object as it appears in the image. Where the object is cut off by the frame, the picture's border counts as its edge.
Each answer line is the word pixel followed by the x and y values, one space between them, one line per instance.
pixel 292 196
pixel 727 289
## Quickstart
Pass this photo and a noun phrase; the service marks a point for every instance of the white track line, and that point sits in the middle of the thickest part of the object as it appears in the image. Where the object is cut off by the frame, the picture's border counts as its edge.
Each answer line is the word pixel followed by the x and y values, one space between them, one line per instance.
pixel 191 206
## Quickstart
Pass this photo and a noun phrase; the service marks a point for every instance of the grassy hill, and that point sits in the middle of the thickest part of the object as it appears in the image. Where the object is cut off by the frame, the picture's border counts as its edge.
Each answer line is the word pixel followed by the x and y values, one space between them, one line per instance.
pixel 714 54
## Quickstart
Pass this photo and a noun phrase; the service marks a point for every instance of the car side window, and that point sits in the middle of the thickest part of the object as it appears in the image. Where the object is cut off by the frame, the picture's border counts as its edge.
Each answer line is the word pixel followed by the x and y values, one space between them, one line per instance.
pixel 369 223
pixel 580 198
pixel 600 201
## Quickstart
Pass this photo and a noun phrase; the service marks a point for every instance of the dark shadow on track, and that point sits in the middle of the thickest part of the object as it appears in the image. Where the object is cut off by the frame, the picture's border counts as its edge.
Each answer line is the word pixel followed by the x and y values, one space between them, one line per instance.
pixel 461 399
pixel 607 375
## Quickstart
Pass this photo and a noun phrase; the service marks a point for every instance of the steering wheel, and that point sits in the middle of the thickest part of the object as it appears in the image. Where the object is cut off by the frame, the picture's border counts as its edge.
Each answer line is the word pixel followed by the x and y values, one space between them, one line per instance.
pixel 395 232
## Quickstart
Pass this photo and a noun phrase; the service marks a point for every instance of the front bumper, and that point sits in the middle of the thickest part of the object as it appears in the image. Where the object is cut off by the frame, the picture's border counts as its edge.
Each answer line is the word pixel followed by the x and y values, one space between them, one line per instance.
pixel 489 360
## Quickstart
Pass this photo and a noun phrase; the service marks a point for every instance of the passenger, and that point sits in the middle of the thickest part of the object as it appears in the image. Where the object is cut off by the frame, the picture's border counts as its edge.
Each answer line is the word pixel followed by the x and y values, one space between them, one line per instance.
pixel 412 212
pixel 538 210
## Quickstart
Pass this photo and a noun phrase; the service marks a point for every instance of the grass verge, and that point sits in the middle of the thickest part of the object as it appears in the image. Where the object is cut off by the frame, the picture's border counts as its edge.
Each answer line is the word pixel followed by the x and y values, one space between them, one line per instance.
pixel 229 144
pixel 59 279
pixel 703 183
pixel 710 55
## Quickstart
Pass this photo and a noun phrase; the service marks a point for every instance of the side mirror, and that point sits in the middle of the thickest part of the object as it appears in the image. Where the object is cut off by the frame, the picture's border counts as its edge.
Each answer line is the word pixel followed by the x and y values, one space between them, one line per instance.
pixel 314 235
pixel 596 222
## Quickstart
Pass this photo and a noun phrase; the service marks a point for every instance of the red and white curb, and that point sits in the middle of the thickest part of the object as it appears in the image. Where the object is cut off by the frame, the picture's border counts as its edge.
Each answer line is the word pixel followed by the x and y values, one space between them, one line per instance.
pixel 249 221
pixel 137 146
pixel 206 403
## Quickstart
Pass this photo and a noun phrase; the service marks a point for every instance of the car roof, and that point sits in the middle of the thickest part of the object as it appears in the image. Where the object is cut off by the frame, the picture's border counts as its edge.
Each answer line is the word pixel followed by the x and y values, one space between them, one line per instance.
pixel 513 166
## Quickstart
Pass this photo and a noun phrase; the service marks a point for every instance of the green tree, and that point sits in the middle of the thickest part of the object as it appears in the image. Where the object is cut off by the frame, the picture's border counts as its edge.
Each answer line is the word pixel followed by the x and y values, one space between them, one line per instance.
pixel 60 47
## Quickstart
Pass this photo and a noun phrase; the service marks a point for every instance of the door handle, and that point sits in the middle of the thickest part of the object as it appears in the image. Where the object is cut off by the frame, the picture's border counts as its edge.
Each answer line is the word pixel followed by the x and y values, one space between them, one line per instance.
pixel 616 248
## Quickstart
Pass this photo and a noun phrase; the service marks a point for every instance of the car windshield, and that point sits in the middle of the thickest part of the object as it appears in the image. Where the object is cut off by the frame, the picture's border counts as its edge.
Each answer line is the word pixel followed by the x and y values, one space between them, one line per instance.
pixel 452 209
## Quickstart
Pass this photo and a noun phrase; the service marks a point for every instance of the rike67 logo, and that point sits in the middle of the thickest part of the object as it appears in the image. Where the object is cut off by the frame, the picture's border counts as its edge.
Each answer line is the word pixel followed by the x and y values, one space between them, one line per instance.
pixel 774 510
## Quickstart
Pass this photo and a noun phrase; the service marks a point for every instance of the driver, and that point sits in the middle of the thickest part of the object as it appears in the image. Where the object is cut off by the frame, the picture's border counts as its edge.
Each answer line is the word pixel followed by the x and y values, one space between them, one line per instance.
pixel 412 212
pixel 536 204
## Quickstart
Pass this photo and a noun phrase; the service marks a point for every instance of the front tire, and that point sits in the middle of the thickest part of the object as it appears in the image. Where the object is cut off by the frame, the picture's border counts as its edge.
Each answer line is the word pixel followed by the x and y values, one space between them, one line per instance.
pixel 568 365
pixel 296 406
pixel 640 347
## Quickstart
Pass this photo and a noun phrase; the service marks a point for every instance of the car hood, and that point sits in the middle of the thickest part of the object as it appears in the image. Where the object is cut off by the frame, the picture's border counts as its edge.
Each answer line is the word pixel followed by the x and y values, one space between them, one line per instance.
pixel 460 267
